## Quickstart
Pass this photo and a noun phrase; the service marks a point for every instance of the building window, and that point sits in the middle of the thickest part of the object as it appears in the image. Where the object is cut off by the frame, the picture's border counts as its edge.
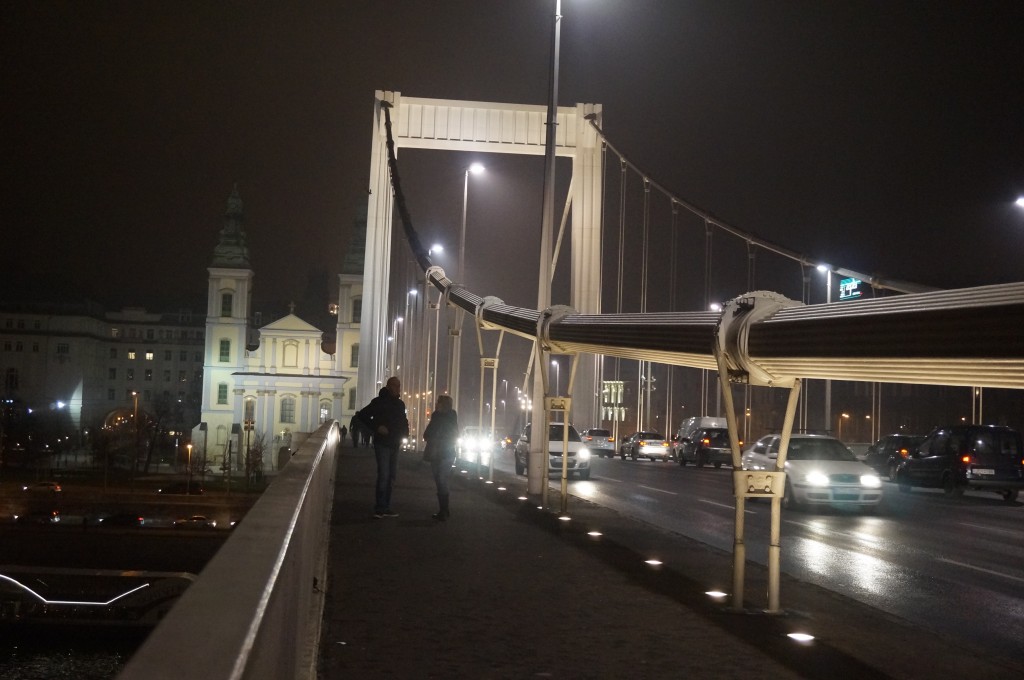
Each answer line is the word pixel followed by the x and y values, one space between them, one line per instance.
pixel 62 348
pixel 11 379
pixel 357 310
pixel 146 395
pixel 197 376
pixel 115 333
pixel 352 400
pixel 111 394
pixel 167 376
pixel 113 352
pixel 18 346
pixel 131 355
pixel 149 356
pixel 112 373
pixel 35 346
pixel 149 375
pixel 288 410
pixel 36 325
pixel 130 374
pixel 21 324
pixel 149 334
pixel 353 359
pixel 199 357
pixel 167 355
pixel 250 409
pixel 181 376
pixel 325 411
pixel 7 345
pixel 225 350
pixel 225 304
pixel 182 355
pixel 222 393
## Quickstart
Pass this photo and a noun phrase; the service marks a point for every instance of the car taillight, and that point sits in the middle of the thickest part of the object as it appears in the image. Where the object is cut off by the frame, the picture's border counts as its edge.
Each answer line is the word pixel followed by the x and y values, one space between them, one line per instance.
pixel 904 453
pixel 705 442
pixel 611 439
pixel 965 459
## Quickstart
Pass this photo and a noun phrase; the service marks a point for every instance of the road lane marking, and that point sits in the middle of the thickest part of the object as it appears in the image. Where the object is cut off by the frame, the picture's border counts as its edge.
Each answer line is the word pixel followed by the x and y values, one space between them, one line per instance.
pixel 651 488
pixel 1011 532
pixel 724 505
pixel 609 479
pixel 981 569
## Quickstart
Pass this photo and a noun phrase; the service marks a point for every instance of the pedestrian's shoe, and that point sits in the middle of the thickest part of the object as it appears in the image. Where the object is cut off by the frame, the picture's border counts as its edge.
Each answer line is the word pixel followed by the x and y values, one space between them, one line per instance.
pixel 389 513
pixel 378 515
pixel 440 515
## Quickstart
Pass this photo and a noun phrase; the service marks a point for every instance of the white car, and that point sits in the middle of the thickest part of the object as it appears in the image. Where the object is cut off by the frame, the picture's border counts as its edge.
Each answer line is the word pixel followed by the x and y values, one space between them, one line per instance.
pixel 578 460
pixel 820 470
pixel 475 445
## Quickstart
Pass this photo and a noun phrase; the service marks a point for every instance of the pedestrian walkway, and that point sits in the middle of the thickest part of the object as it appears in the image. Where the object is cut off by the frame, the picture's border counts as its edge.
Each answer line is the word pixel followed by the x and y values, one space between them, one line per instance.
pixel 506 590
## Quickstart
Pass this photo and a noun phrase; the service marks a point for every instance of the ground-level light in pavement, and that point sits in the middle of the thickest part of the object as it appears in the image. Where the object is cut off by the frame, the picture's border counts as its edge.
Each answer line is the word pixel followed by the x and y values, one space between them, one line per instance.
pixel 523 498
pixel 717 594
pixel 595 534
pixel 801 637
pixel 653 562
pixel 501 488
pixel 488 481
pixel 564 518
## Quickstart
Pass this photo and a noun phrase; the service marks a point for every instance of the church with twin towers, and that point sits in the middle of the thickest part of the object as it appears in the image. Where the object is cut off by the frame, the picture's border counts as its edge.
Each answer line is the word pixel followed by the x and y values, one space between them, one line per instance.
pixel 267 387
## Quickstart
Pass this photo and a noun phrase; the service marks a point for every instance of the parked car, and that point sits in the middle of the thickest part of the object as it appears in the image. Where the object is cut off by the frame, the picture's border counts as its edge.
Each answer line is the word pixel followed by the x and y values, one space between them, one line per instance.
pixel 709 445
pixel 47 517
pixel 985 457
pixel 194 489
pixel 646 445
pixel 684 434
pixel 599 441
pixel 195 522
pixel 123 519
pixel 578 459
pixel 887 453
pixel 42 488
pixel 475 444
pixel 820 470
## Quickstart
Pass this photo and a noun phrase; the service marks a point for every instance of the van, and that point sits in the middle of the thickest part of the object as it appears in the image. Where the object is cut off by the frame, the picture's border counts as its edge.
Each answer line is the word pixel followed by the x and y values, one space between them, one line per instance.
pixel 689 426
pixel 983 457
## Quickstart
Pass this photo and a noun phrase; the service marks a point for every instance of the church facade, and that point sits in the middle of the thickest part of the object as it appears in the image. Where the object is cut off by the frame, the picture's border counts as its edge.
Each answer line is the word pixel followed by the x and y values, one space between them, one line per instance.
pixel 266 389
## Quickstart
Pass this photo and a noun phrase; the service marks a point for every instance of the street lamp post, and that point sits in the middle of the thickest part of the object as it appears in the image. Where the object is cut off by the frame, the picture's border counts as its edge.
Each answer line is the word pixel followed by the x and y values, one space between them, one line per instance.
pixel 827 271
pixel 188 484
pixel 456 327
pixel 842 417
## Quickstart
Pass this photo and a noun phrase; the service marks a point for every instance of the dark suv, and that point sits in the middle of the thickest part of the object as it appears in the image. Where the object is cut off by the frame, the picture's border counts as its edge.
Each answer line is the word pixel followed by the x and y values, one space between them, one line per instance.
pixel 887 453
pixel 709 445
pixel 986 457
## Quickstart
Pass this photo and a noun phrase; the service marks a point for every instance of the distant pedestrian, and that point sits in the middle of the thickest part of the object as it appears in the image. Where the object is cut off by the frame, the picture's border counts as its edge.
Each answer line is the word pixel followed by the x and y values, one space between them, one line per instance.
pixel 441 435
pixel 385 417
pixel 344 433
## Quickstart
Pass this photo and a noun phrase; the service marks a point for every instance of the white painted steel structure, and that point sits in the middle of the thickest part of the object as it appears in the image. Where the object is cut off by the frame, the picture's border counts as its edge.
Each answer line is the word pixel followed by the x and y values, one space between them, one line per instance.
pixel 484 127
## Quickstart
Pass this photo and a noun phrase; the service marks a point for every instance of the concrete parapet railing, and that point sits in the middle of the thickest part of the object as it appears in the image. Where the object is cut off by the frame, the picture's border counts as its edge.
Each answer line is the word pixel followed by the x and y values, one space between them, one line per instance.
pixel 256 609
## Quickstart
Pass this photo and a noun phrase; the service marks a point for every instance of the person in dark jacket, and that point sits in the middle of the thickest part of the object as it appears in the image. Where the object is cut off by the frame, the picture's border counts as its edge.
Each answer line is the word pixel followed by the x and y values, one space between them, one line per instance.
pixel 441 436
pixel 385 417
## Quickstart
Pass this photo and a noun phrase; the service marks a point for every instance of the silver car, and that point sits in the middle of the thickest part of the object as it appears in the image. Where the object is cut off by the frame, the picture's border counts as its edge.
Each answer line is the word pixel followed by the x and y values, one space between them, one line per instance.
pixel 599 441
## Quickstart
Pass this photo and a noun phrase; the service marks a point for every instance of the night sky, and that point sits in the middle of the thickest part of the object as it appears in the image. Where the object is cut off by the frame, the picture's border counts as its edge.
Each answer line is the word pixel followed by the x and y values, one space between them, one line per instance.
pixel 883 136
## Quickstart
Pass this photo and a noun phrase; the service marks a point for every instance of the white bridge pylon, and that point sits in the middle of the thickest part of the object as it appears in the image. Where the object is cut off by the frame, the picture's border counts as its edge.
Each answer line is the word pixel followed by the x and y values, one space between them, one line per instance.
pixel 452 125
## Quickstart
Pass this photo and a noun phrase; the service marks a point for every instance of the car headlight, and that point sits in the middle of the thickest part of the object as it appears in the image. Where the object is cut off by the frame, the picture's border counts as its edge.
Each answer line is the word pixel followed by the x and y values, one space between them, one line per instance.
pixel 816 479
pixel 871 481
pixel 583 454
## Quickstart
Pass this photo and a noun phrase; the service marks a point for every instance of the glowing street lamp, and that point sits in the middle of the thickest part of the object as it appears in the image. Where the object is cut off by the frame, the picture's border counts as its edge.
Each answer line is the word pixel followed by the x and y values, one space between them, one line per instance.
pixel 456 345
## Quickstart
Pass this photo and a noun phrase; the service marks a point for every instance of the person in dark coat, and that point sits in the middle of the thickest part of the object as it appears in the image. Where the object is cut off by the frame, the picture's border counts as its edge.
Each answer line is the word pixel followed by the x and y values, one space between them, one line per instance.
pixel 441 435
pixel 385 417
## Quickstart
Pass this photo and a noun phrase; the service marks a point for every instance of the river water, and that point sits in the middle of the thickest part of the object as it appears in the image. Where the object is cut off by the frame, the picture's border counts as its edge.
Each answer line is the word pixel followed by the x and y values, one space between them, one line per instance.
pixel 56 652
